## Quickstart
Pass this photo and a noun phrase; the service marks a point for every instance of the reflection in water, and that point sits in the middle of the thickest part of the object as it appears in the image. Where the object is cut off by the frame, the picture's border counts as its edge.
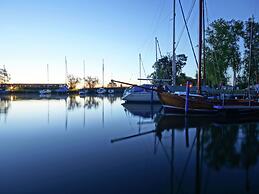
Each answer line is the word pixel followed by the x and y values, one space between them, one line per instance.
pixel 4 106
pixel 142 110
pixel 91 102
pixel 73 102
pixel 220 146
pixel 162 154
pixel 214 148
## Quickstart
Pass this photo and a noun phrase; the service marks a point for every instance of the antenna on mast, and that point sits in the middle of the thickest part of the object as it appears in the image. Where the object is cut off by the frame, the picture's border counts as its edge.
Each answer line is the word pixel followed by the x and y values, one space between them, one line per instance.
pixel 156 47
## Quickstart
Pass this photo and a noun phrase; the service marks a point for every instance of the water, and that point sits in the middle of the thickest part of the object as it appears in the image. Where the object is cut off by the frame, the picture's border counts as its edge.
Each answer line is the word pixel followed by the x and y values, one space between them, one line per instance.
pixel 64 145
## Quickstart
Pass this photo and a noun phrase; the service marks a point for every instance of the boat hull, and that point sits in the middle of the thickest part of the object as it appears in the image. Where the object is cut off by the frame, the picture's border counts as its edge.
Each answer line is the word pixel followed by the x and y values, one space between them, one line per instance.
pixel 178 102
pixel 144 97
pixel 101 91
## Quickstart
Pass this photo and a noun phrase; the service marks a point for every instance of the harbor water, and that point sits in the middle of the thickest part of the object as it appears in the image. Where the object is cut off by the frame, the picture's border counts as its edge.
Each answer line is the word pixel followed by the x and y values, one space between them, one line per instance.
pixel 99 144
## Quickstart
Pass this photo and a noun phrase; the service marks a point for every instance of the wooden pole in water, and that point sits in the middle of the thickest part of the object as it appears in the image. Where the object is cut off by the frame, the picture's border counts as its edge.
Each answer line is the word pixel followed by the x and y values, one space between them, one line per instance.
pixel 187 98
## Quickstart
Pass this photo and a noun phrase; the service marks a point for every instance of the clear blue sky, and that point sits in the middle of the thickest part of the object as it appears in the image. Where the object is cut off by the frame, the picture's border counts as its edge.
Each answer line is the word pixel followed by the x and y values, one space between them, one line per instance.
pixel 34 33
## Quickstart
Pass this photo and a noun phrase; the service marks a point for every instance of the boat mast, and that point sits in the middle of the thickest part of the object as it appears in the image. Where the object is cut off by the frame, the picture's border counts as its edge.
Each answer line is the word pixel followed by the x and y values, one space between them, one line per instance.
pixel 204 51
pixel 47 73
pixel 250 58
pixel 173 57
pixel 103 73
pixel 140 60
pixel 65 70
pixel 156 47
pixel 200 46
pixel 84 72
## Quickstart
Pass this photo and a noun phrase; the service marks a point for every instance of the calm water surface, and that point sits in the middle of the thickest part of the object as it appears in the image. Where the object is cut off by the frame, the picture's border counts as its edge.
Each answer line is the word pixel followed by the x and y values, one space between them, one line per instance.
pixel 97 145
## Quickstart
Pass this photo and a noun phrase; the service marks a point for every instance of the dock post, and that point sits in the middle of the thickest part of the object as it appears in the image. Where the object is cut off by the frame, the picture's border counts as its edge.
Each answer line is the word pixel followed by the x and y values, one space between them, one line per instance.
pixel 152 95
pixel 187 97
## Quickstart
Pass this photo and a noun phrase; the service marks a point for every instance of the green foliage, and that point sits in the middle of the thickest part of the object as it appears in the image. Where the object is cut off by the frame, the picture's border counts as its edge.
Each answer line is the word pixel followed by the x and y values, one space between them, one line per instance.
pixel 251 35
pixel 223 50
pixel 227 48
pixel 163 67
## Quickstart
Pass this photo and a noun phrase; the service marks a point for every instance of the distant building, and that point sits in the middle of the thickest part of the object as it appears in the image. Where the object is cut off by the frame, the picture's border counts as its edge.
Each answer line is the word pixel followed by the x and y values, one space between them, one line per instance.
pixel 4 76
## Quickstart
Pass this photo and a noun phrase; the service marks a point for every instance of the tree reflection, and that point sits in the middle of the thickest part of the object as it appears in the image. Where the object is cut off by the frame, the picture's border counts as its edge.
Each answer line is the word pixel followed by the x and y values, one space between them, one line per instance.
pixel 91 102
pixel 111 98
pixel 231 146
pixel 73 103
pixel 220 147
pixel 5 105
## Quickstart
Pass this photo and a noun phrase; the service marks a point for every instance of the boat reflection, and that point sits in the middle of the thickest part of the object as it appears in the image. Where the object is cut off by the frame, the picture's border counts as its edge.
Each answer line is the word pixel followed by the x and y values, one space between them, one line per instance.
pixel 210 146
pixel 142 110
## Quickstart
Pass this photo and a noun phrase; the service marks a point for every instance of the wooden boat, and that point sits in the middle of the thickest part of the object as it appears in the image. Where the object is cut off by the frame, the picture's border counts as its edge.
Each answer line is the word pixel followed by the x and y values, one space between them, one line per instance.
pixel 198 103
pixel 175 104
pixel 178 102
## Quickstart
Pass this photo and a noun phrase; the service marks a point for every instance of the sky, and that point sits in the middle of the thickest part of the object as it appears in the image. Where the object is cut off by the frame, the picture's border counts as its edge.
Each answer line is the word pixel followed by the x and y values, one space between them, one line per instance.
pixel 34 33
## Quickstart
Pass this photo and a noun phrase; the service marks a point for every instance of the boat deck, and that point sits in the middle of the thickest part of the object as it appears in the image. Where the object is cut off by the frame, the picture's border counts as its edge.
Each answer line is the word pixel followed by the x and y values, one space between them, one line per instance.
pixel 233 107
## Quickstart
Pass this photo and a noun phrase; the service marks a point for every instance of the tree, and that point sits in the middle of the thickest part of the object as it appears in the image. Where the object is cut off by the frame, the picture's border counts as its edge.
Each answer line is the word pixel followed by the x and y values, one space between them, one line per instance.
pixel 163 67
pixel 91 82
pixel 251 35
pixel 72 81
pixel 222 50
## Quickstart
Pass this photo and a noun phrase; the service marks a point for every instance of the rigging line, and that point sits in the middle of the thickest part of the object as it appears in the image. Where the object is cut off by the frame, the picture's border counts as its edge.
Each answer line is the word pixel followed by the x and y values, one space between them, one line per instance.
pixel 207 12
pixel 155 23
pixel 143 68
pixel 188 17
pixel 188 32
pixel 186 164
pixel 164 149
pixel 159 49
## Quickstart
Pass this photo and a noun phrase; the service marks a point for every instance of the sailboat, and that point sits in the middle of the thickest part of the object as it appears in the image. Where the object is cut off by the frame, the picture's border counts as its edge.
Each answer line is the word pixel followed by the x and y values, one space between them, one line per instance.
pixel 83 91
pixel 142 93
pixel 46 91
pixel 63 89
pixel 197 103
pixel 102 90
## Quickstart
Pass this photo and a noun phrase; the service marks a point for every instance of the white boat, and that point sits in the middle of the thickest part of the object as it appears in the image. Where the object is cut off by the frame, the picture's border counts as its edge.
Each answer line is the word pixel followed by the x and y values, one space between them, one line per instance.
pixel 101 91
pixel 62 89
pixel 111 91
pixel 139 94
pixel 83 91
pixel 45 91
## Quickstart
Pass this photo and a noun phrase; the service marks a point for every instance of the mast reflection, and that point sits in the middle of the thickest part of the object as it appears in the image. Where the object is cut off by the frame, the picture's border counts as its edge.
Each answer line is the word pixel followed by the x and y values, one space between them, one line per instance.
pixel 215 147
